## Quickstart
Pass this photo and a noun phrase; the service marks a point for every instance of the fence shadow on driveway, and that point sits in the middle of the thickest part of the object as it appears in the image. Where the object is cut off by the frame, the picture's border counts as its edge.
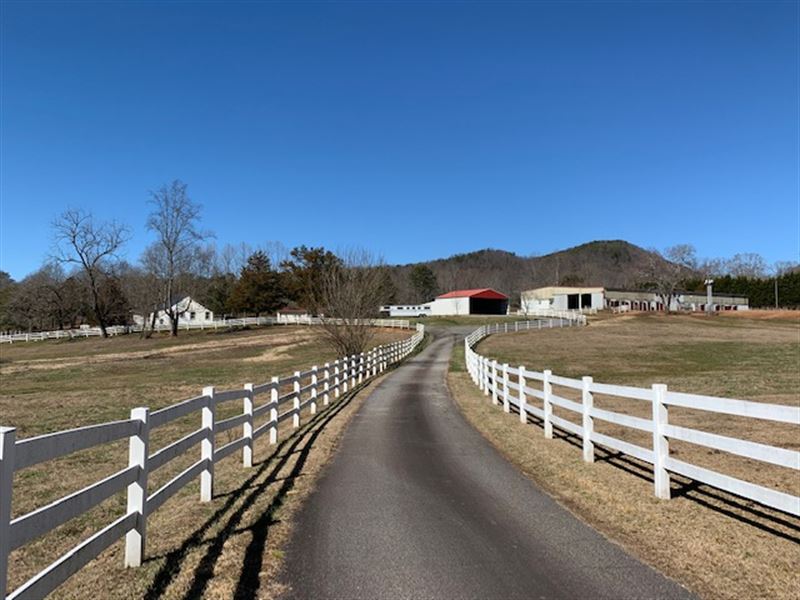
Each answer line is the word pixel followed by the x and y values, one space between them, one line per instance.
pixel 233 510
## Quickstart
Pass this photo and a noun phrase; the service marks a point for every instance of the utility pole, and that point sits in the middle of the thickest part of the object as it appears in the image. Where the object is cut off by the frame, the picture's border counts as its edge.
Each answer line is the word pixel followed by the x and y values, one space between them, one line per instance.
pixel 776 291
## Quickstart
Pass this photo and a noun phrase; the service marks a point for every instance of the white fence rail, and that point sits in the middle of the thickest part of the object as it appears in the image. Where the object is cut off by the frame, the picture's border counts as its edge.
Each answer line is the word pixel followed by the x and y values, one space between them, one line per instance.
pixel 310 390
pixel 114 330
pixel 496 380
pixel 575 316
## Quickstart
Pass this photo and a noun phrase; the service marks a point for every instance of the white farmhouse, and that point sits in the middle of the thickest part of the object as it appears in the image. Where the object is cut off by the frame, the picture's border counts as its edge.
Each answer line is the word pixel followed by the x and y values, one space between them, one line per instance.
pixel 189 312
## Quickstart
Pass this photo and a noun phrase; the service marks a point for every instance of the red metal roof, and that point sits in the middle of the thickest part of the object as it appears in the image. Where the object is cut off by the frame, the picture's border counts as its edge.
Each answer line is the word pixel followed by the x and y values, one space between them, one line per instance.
pixel 486 293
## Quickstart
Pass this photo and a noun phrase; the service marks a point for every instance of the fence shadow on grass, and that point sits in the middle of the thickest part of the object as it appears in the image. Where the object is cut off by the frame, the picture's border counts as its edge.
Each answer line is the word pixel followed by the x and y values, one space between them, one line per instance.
pixel 267 471
pixel 745 511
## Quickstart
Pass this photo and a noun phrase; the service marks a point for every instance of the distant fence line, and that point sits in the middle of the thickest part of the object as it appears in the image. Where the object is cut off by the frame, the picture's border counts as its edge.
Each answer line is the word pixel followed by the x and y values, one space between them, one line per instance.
pixel 307 389
pixel 496 380
pixel 115 330
pixel 573 316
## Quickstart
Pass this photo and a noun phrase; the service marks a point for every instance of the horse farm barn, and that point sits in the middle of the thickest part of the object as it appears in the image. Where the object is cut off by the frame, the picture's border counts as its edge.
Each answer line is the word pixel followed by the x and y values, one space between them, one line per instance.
pixel 598 298
pixel 482 301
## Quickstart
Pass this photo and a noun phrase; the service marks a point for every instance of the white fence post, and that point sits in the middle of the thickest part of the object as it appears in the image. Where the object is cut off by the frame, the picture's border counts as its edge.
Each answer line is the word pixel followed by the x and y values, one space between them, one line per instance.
pixel 660 442
pixel 506 405
pixel 274 393
pixel 296 401
pixel 7 440
pixel 588 422
pixel 138 451
pixel 361 367
pixel 523 410
pixel 247 428
pixel 485 362
pixel 468 359
pixel 326 387
pixel 345 374
pixel 336 384
pixel 547 390
pixel 494 382
pixel 207 445
pixel 314 380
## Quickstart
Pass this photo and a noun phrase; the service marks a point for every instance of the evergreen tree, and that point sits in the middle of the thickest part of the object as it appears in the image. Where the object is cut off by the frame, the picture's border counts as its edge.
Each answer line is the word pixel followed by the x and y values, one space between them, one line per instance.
pixel 423 282
pixel 305 272
pixel 258 289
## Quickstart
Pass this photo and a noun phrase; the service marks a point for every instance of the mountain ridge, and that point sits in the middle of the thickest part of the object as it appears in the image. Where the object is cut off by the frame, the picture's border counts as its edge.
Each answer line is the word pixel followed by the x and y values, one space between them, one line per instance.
pixel 606 263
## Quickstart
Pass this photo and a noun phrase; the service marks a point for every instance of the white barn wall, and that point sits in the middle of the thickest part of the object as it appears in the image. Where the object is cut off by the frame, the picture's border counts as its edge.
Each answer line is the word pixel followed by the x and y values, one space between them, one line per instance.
pixel 450 306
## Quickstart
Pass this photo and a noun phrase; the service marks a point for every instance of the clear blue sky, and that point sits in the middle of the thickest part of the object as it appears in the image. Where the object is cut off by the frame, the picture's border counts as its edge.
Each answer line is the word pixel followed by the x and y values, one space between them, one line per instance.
pixel 416 129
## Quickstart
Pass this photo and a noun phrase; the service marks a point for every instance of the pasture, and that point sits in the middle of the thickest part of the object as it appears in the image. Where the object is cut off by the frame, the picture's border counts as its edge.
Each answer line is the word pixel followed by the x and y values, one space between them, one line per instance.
pixel 49 386
pixel 721 545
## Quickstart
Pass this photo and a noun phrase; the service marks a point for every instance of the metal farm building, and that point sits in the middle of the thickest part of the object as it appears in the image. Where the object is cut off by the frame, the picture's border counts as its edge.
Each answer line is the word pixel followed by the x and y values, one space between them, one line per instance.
pixel 482 301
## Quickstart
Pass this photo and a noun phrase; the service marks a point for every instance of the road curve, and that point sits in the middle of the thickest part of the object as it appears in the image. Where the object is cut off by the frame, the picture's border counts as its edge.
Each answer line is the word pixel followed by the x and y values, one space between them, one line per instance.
pixel 416 504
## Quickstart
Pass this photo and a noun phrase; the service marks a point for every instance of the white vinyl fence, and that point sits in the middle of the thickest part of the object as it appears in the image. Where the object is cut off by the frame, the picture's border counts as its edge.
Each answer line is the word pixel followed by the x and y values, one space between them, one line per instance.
pixel 85 332
pixel 514 387
pixel 575 316
pixel 310 390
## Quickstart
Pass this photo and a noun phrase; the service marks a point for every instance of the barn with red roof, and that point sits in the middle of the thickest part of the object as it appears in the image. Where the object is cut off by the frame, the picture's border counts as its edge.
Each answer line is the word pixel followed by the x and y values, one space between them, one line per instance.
pixel 479 301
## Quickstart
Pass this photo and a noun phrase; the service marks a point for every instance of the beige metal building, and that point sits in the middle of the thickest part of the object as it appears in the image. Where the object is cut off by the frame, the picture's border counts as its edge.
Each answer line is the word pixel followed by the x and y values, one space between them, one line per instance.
pixel 562 298
pixel 682 300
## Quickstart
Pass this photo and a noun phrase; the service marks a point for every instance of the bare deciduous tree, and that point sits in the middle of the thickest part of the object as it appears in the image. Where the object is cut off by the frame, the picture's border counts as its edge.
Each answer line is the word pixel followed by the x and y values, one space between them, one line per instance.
pixel 93 247
pixel 174 219
pixel 664 272
pixel 350 294
pixel 142 290
pixel 748 264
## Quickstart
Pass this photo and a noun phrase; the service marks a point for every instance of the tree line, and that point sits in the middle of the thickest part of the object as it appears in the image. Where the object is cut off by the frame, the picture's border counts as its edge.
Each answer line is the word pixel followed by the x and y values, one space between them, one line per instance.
pixel 86 281
pixel 747 274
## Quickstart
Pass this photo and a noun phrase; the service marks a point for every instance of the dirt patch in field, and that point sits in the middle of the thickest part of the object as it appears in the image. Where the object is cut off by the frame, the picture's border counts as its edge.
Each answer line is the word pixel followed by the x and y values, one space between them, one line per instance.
pixel 208 345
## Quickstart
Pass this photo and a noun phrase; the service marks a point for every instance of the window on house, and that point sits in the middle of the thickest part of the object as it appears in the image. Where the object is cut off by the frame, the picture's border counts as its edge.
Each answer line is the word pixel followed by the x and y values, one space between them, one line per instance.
pixel 191 316
pixel 208 315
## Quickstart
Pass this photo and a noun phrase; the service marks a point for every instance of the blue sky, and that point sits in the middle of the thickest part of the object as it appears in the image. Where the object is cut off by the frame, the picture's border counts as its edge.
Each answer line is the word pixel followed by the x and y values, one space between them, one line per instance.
pixel 415 129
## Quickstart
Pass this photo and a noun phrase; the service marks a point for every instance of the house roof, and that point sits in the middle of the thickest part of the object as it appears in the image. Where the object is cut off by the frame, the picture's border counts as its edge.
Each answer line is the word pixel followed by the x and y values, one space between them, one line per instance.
pixel 483 293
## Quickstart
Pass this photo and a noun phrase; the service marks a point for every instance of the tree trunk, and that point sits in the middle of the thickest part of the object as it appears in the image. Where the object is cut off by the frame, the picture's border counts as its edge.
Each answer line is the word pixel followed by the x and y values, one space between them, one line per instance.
pixel 147 333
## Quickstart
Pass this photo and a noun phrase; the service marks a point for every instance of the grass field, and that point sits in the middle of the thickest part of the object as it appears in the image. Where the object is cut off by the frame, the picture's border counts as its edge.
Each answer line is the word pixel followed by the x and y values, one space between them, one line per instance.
pixel 720 545
pixel 195 549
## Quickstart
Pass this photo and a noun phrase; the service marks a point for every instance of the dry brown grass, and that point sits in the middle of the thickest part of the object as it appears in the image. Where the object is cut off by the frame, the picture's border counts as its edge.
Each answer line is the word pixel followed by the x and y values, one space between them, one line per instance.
pixel 719 545
pixel 763 314
pixel 751 360
pixel 232 543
